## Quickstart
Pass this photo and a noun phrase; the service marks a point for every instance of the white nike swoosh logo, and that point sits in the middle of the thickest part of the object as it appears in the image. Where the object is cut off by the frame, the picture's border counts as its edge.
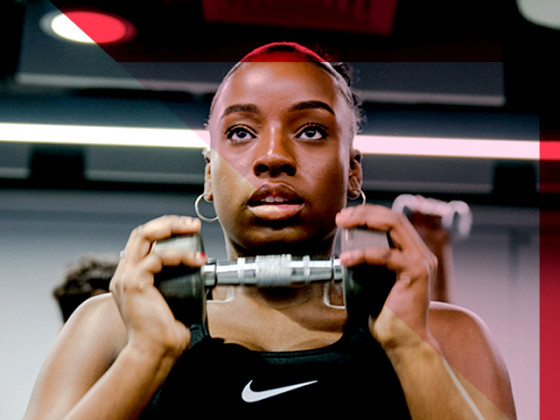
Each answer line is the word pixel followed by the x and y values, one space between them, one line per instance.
pixel 251 396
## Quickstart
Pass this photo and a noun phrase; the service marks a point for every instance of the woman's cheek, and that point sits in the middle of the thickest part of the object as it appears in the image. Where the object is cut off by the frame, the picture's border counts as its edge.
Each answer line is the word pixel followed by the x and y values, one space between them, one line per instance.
pixel 229 185
pixel 236 168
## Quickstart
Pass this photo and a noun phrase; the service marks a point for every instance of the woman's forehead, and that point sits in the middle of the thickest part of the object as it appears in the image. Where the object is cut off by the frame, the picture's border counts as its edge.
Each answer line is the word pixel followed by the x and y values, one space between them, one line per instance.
pixel 278 80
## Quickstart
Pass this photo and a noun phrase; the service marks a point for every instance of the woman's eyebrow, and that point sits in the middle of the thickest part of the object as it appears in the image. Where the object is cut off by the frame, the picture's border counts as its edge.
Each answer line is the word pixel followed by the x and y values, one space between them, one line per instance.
pixel 301 106
pixel 251 108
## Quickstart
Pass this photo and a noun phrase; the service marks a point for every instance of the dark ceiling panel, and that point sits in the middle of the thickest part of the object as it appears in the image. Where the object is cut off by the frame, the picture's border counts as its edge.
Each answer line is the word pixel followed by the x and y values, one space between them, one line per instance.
pixel 164 57
pixel 431 31
pixel 370 16
pixel 11 24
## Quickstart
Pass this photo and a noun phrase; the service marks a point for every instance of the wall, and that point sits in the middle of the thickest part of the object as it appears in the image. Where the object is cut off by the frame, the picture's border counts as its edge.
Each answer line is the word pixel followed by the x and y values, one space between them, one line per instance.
pixel 41 232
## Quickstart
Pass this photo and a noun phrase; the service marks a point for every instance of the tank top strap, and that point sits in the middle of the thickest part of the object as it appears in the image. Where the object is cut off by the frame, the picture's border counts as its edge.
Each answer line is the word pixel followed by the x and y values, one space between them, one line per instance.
pixel 199 332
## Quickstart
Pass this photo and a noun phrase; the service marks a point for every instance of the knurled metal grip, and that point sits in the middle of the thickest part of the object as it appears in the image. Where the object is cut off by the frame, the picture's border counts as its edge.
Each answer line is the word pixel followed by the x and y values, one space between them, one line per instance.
pixel 271 271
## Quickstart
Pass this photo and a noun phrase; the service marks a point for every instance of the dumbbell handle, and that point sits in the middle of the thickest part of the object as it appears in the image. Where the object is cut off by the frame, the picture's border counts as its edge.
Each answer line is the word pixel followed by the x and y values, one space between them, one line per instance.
pixel 271 271
pixel 184 288
pixel 261 270
pixel 456 216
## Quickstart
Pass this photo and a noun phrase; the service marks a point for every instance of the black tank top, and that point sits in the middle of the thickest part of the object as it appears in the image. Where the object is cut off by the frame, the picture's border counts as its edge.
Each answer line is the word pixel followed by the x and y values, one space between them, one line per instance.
pixel 351 378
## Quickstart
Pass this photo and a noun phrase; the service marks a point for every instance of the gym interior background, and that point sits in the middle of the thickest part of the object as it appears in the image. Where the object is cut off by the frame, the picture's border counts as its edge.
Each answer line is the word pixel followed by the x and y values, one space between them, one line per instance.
pixel 428 70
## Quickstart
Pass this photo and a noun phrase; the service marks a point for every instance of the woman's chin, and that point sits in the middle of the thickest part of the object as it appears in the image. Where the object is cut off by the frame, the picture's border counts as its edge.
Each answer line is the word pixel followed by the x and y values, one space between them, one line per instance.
pixel 287 240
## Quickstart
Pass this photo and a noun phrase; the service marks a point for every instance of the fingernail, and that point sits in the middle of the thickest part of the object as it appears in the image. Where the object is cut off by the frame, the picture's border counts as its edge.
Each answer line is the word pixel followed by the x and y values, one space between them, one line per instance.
pixel 190 221
pixel 344 210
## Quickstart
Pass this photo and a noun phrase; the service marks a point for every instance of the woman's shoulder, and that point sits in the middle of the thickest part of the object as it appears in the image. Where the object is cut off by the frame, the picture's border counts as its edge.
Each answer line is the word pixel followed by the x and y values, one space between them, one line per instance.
pixel 85 348
pixel 466 342
pixel 447 317
pixel 468 346
pixel 453 326
pixel 97 323
pixel 103 302
pixel 98 307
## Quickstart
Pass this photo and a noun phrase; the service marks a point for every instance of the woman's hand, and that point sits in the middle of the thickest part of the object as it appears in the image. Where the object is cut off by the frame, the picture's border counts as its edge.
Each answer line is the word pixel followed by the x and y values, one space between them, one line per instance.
pixel 406 307
pixel 101 367
pixel 150 324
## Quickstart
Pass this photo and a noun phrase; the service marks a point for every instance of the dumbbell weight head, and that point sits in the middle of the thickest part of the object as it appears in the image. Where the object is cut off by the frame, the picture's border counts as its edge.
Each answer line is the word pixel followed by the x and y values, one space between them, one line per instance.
pixel 366 287
pixel 456 216
pixel 458 219
pixel 183 287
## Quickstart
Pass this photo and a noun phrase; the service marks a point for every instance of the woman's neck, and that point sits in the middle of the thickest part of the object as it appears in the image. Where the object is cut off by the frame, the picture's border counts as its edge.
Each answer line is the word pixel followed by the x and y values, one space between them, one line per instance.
pixel 288 297
pixel 314 250
pixel 283 298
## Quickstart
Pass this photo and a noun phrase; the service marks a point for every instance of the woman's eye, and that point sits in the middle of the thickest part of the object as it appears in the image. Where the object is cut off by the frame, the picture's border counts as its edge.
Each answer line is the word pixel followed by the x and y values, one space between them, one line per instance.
pixel 239 134
pixel 312 133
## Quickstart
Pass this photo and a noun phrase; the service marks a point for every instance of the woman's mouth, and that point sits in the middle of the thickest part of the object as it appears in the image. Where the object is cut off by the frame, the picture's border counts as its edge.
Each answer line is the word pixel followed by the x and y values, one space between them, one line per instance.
pixel 275 202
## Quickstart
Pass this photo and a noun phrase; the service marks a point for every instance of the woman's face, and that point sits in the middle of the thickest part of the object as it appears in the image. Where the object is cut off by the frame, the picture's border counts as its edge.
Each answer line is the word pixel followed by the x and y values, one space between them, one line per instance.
pixel 281 164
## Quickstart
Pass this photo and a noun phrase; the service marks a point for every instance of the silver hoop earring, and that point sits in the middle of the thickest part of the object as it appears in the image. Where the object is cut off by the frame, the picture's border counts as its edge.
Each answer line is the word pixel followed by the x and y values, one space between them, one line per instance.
pixel 199 214
pixel 363 197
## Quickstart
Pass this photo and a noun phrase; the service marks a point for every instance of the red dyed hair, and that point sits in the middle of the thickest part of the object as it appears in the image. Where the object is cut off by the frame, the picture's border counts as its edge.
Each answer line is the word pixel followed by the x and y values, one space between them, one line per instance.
pixel 282 52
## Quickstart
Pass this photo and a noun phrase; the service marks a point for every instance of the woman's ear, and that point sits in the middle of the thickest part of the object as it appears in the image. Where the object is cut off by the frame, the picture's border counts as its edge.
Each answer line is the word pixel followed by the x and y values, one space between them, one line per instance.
pixel 208 195
pixel 355 175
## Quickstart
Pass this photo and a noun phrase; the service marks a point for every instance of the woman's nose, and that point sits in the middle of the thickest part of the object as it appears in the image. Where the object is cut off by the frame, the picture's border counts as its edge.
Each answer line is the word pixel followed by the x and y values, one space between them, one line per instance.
pixel 274 156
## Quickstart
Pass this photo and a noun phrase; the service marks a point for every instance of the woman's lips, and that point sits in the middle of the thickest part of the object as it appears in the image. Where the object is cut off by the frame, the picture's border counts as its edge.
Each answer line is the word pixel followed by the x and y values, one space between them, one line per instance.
pixel 276 211
pixel 275 202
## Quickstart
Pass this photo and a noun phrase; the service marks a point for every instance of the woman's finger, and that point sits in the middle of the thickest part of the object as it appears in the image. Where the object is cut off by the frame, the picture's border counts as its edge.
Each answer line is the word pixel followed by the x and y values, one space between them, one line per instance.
pixel 142 274
pixel 379 218
pixel 142 238
pixel 175 257
pixel 415 265
pixel 390 258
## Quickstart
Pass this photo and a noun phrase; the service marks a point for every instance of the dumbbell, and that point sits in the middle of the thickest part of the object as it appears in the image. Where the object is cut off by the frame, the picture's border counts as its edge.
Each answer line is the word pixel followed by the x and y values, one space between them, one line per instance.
pixel 456 216
pixel 185 288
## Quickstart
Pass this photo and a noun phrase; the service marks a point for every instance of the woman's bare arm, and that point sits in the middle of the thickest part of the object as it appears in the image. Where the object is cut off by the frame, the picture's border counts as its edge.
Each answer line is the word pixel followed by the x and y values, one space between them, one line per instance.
pixel 116 350
pixel 456 373
pixel 428 363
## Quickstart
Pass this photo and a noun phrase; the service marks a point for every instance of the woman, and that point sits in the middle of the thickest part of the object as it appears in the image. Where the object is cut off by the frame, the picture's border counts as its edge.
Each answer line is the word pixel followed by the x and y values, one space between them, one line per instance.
pixel 280 171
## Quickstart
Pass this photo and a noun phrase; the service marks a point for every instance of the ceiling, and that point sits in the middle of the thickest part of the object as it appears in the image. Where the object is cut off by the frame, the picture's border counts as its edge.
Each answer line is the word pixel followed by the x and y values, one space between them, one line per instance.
pixel 439 68
pixel 480 33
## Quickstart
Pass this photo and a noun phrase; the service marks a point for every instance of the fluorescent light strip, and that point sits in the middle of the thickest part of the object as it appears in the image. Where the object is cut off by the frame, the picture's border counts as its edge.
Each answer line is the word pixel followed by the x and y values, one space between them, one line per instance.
pixel 187 138
pixel 448 147
pixel 103 135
